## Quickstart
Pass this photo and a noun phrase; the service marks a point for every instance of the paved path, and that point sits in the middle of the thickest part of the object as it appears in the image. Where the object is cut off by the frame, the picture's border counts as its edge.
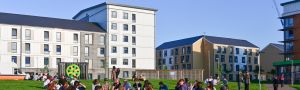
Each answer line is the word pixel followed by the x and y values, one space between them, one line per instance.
pixel 286 87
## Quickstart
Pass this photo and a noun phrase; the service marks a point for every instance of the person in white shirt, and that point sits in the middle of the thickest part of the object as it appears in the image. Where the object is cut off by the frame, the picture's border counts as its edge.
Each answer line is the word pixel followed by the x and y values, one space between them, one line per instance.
pixel 96 82
pixel 210 79
pixel 72 81
pixel 27 76
pixel 47 82
pixel 35 77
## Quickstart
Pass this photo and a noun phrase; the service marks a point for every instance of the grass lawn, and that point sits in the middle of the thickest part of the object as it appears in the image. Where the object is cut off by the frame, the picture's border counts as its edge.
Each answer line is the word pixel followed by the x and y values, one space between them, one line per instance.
pixel 37 85
pixel 297 86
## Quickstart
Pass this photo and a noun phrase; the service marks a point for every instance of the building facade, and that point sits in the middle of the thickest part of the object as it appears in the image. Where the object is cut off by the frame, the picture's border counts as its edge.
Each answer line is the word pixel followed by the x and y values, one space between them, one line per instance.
pixel 271 53
pixel 216 55
pixel 130 35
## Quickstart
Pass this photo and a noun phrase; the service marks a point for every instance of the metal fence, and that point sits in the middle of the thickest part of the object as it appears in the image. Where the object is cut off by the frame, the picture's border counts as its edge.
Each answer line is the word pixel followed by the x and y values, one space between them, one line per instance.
pixel 195 74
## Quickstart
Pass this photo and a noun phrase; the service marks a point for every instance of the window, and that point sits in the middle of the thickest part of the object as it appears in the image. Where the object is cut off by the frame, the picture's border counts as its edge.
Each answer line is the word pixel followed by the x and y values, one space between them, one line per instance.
pixel 27 61
pixel 176 51
pixel 217 57
pixel 27 48
pixel 224 49
pixel 249 60
pixel 237 67
pixel 188 66
pixel 86 51
pixel 182 59
pixel 187 58
pixel 133 63
pixel 231 50
pixel 288 22
pixel 243 60
pixel 219 49
pixel 224 67
pixel 58 60
pixel 222 58
pixel 133 27
pixel 46 61
pixel 125 74
pixel 189 50
pixel 183 50
pixel 114 49
pixel 58 49
pixel 250 68
pixel 125 27
pixel 114 37
pixel 245 51
pixel 75 51
pixel 237 51
pixel 183 66
pixel 114 26
pixel 75 37
pixel 133 41
pixel 133 52
pixel 113 61
pixel 114 14
pixel 46 48
pixel 125 38
pixel 170 60
pixel 236 59
pixel 88 39
pixel 255 60
pixel 164 61
pixel 14 47
pixel 230 59
pixel 165 53
pixel 125 61
pixel 102 51
pixel 125 50
pixel 58 36
pixel 27 34
pixel 125 15
pixel 46 35
pixel 250 51
pixel 133 17
pixel 14 59
pixel 102 40
pixel 14 33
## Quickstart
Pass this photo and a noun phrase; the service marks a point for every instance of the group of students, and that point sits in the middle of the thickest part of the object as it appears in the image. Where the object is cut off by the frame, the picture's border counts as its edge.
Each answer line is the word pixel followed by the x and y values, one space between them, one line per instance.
pixel 277 80
pixel 61 83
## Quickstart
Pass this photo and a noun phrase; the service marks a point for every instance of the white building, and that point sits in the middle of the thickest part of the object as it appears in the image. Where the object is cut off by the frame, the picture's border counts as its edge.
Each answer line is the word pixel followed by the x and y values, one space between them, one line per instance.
pixel 31 43
pixel 131 34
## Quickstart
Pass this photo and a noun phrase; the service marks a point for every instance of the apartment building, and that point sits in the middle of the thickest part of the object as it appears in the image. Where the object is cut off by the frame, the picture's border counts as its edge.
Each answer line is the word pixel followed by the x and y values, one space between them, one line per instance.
pixel 271 53
pixel 130 34
pixel 31 43
pixel 290 18
pixel 211 54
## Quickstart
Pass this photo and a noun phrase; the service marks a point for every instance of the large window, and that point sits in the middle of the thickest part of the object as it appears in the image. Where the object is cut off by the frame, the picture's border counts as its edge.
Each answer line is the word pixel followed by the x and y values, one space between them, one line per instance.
pixel 230 59
pixel 46 61
pixel 14 33
pixel 46 35
pixel 75 51
pixel 75 37
pixel 114 26
pixel 133 27
pixel 86 51
pixel 114 14
pixel 125 38
pixel 27 48
pixel 125 15
pixel 133 52
pixel 133 17
pixel 125 61
pixel 102 51
pixel 46 48
pixel 133 40
pixel 222 58
pixel 237 51
pixel 88 39
pixel 58 36
pixel 288 22
pixel 114 37
pixel 58 49
pixel 133 63
pixel 237 67
pixel 113 61
pixel 28 34
pixel 14 59
pixel 243 60
pixel 102 40
pixel 27 61
pixel 125 27
pixel 236 60
pixel 14 47
pixel 255 60
pixel 125 50
pixel 114 49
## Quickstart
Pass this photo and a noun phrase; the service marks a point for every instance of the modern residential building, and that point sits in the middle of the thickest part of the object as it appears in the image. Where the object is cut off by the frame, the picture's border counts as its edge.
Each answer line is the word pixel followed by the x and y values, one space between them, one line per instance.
pixel 290 18
pixel 209 53
pixel 31 43
pixel 271 53
pixel 104 35
pixel 130 34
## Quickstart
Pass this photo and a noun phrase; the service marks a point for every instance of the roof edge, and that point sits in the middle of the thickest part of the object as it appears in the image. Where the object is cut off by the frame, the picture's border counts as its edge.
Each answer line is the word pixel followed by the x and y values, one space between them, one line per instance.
pixel 290 2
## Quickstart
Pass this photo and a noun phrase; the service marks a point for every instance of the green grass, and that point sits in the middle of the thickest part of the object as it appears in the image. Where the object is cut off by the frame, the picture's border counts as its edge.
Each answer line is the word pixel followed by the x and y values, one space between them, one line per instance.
pixel 38 85
pixel 297 86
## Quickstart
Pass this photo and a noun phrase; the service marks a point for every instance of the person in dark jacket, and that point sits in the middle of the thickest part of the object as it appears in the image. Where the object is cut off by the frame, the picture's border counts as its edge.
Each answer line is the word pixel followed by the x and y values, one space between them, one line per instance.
pixel 180 85
pixel 163 86
pixel 275 83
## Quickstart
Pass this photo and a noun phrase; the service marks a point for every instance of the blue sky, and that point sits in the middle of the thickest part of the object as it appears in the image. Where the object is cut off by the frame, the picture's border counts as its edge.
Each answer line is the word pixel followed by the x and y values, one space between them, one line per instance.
pixel 252 20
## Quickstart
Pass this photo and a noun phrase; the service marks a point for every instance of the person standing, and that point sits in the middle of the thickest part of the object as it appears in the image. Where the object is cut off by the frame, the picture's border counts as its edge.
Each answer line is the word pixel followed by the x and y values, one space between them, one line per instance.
pixel 113 73
pixel 106 84
pixel 282 80
pixel 198 86
pixel 126 85
pixel 247 81
pixel 240 80
pixel 137 84
pixel 96 82
pixel 275 83
pixel 180 85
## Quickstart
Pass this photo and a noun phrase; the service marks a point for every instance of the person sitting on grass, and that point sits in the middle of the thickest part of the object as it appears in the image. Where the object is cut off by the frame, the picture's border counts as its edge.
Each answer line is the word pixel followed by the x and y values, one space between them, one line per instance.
pixel 210 86
pixel 163 86
pixel 117 85
pixel 198 86
pixel 180 85
pixel 98 88
pixel 96 82
pixel 47 82
pixel 126 85
pixel 62 79
pixel 73 80
pixel 79 86
pixel 64 85
pixel 137 84
pixel 106 84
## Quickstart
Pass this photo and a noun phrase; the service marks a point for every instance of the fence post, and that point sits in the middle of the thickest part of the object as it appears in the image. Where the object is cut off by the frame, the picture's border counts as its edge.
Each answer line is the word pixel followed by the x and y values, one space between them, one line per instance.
pixel 157 74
